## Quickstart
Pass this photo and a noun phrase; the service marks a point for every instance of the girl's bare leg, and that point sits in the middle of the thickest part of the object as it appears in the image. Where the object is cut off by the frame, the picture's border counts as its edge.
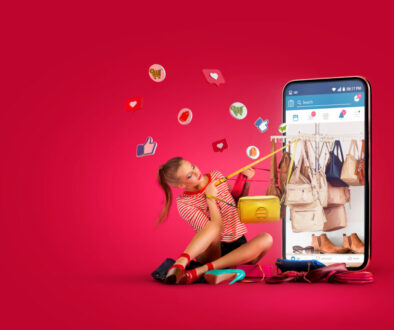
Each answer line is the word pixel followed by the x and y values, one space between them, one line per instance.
pixel 212 253
pixel 250 252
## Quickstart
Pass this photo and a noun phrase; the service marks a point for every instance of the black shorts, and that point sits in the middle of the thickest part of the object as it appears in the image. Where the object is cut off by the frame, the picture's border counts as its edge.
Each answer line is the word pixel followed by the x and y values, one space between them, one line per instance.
pixel 228 247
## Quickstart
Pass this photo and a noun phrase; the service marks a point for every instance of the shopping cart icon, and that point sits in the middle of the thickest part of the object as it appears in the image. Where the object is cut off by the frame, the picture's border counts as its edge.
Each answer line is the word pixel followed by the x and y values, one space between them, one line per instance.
pixel 237 111
pixel 156 74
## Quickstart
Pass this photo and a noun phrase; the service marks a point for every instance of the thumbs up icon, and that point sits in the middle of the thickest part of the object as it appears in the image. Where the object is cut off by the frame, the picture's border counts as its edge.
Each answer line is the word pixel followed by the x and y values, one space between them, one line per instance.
pixel 146 149
pixel 262 125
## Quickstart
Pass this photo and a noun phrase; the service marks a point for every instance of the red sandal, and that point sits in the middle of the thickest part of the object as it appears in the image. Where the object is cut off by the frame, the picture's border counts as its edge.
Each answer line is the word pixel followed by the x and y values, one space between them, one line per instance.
pixel 178 272
pixel 190 276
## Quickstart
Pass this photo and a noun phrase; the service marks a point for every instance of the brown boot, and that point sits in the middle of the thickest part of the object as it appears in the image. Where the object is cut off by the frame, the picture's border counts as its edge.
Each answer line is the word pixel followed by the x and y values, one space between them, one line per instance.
pixel 326 246
pixel 345 243
pixel 316 243
pixel 356 245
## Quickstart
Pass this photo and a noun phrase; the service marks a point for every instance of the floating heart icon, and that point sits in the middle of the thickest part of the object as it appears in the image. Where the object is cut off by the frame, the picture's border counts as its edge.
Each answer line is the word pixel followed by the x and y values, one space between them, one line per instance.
pixel 220 145
pixel 359 96
pixel 214 75
pixel 134 104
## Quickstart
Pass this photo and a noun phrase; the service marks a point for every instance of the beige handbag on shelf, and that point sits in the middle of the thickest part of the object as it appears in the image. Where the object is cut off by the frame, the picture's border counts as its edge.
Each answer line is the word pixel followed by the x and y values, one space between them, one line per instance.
pixel 308 217
pixel 337 195
pixel 320 175
pixel 336 218
pixel 306 211
pixel 299 189
pixel 349 166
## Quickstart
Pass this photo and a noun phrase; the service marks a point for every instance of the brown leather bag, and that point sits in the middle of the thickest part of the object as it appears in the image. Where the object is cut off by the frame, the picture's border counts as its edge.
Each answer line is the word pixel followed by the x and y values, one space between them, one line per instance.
pixel 284 165
pixel 360 166
pixel 349 174
pixel 337 195
pixel 273 188
pixel 304 164
pixel 336 218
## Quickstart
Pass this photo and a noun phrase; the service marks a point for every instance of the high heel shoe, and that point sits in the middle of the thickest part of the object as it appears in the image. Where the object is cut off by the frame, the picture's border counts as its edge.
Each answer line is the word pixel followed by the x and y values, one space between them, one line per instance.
pixel 219 275
pixel 353 243
pixel 191 276
pixel 176 271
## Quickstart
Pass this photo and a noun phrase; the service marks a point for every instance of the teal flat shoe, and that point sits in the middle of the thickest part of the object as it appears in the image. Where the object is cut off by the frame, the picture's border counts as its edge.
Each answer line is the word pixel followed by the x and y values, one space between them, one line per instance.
pixel 212 276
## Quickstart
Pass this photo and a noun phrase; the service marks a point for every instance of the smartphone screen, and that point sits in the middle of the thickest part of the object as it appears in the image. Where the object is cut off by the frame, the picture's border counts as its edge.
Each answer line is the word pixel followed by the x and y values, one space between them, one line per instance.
pixel 331 118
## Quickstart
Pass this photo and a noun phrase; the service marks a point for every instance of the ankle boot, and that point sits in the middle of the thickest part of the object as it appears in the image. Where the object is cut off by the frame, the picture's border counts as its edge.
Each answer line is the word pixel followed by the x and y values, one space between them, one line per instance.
pixel 356 245
pixel 345 243
pixel 316 242
pixel 326 246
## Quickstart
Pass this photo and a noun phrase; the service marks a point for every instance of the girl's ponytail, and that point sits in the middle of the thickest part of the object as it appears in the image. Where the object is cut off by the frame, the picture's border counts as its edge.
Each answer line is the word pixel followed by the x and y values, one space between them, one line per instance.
pixel 167 172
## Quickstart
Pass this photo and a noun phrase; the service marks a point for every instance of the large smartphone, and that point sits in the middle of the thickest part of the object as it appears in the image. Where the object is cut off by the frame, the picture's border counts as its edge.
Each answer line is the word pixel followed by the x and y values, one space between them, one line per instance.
pixel 323 111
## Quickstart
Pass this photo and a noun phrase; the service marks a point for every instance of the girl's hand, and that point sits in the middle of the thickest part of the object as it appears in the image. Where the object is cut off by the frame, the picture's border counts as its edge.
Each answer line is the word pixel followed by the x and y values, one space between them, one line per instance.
pixel 211 189
pixel 249 173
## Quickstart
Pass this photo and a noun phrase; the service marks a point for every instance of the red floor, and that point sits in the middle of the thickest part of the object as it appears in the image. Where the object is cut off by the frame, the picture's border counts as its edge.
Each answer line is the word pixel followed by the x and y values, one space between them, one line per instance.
pixel 125 300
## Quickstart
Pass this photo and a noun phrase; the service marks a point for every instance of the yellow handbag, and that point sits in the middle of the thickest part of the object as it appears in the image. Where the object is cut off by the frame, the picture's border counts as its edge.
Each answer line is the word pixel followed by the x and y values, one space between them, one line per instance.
pixel 257 209
pixel 254 209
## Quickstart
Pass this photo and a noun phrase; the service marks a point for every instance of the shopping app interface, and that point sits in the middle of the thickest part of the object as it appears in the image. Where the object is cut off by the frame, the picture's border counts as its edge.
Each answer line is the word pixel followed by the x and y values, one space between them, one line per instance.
pixel 332 109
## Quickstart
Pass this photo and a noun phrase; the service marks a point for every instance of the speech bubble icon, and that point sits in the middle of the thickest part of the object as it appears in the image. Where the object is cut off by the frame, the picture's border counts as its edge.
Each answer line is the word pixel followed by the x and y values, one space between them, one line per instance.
pixel 213 76
pixel 157 73
pixel 133 104
pixel 220 146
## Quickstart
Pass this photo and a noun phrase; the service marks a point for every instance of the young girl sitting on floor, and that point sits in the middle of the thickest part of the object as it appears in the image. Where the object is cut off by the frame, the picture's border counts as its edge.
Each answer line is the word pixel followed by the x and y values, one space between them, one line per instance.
pixel 219 241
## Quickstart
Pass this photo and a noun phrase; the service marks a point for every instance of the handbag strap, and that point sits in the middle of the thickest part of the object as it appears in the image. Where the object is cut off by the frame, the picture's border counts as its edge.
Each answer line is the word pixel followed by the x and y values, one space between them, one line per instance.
pixel 289 172
pixel 273 170
pixel 338 147
pixel 353 149
pixel 224 179
pixel 362 153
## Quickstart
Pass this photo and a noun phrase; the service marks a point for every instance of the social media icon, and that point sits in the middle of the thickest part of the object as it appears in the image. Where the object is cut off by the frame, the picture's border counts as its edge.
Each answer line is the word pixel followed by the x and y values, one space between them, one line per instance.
pixel 295 117
pixel 133 104
pixel 146 149
pixel 253 152
pixel 357 97
pixel 283 128
pixel 220 146
pixel 213 76
pixel 262 125
pixel 185 116
pixel 342 114
pixel 238 110
pixel 157 73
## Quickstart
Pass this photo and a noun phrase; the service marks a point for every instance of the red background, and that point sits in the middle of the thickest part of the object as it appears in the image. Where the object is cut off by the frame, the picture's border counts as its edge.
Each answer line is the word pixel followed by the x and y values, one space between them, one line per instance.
pixel 78 209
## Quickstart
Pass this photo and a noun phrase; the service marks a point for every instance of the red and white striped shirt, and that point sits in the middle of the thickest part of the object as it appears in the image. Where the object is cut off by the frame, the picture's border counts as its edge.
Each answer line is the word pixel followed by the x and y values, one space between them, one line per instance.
pixel 193 207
